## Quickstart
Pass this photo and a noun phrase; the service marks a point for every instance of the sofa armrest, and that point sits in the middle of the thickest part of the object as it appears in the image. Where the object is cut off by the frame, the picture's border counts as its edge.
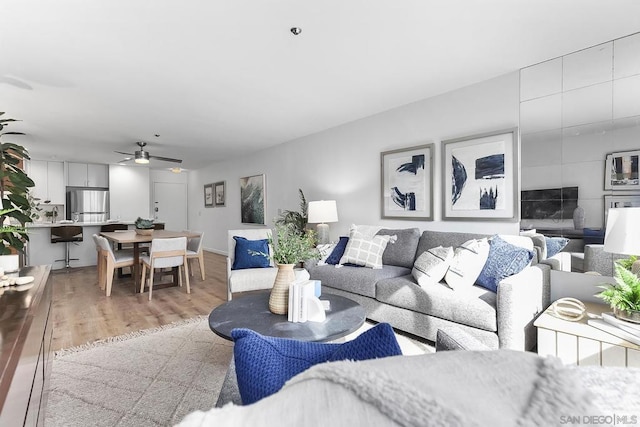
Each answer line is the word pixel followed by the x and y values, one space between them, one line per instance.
pixel 310 263
pixel 520 299
pixel 453 338
pixel 560 261
pixel 596 259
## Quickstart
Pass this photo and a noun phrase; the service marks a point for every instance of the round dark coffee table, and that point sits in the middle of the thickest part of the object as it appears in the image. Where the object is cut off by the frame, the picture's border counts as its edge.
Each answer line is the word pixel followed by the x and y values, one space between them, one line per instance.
pixel 252 312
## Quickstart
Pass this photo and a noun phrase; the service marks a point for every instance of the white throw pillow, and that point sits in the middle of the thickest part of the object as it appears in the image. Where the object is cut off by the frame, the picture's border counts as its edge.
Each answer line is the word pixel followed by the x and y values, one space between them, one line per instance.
pixel 467 263
pixel 432 265
pixel 366 252
pixel 325 251
pixel 363 231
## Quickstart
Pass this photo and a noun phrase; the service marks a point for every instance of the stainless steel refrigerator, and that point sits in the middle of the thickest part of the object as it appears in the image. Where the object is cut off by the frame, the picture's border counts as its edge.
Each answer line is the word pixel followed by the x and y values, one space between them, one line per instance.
pixel 87 205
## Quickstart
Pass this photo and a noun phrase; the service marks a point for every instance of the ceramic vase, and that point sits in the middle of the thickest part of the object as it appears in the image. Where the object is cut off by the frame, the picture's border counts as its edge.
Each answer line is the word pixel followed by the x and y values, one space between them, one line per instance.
pixel 279 298
pixel 578 218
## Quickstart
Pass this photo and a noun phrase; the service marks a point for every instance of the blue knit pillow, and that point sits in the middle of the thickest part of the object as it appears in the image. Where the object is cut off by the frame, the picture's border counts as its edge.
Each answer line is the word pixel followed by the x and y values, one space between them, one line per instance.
pixel 504 260
pixel 243 258
pixel 264 364
pixel 338 251
pixel 555 245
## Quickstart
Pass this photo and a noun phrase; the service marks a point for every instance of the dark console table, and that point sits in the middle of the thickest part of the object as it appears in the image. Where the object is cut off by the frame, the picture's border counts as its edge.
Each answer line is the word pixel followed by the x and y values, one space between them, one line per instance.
pixel 25 349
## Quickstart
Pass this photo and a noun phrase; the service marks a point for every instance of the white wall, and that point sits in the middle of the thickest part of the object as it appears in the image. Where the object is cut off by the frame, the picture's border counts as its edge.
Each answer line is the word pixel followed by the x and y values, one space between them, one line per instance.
pixel 343 163
pixel 129 192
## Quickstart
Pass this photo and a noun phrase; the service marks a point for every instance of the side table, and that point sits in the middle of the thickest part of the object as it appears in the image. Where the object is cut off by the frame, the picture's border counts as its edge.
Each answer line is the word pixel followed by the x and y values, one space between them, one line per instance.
pixel 577 343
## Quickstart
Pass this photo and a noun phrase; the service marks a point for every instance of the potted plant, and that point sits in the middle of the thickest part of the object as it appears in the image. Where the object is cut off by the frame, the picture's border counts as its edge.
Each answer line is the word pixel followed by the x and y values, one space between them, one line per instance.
pixel 288 249
pixel 17 207
pixel 624 295
pixel 144 226
pixel 297 219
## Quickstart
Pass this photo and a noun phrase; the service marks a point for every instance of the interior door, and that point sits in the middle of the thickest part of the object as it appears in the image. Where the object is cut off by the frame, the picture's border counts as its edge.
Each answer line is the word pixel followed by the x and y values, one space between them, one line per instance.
pixel 170 205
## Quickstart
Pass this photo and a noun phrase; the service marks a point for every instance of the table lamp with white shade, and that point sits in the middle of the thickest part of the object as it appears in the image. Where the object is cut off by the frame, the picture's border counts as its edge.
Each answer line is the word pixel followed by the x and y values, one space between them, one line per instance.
pixel 321 212
pixel 622 235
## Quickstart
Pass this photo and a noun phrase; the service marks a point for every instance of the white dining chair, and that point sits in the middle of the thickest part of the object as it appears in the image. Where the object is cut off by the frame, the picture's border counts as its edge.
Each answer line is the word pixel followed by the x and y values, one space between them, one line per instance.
pixel 194 250
pixel 165 253
pixel 109 261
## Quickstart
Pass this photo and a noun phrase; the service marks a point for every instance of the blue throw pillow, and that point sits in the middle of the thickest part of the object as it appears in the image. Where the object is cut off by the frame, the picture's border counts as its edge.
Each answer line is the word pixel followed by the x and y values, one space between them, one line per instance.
pixel 338 251
pixel 264 364
pixel 555 245
pixel 504 260
pixel 243 258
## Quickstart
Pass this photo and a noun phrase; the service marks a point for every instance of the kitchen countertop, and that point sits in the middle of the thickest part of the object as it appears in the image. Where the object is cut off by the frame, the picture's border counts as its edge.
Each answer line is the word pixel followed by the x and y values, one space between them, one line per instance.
pixel 82 224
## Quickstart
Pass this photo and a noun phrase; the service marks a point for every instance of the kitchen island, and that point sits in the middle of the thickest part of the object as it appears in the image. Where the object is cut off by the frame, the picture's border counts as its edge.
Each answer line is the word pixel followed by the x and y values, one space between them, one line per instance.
pixel 40 250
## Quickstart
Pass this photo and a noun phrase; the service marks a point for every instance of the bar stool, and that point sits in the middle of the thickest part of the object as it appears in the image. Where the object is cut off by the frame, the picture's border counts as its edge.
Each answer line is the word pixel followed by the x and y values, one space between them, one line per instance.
pixel 66 234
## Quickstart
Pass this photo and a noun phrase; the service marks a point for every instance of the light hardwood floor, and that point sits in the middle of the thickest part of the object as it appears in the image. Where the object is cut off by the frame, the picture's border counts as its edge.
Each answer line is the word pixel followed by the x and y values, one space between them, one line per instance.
pixel 82 313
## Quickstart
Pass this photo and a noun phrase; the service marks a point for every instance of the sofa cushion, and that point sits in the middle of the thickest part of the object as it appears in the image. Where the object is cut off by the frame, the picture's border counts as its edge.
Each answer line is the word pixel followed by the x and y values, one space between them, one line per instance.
pixel 361 281
pixel 473 306
pixel 338 251
pixel 431 239
pixel 402 252
pixel 243 257
pixel 365 252
pixel 504 260
pixel 432 265
pixel 555 245
pixel 264 364
pixel 467 263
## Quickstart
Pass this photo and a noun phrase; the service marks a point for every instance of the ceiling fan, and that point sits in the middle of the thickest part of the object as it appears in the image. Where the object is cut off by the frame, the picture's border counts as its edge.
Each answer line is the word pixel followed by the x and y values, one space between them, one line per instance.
pixel 142 157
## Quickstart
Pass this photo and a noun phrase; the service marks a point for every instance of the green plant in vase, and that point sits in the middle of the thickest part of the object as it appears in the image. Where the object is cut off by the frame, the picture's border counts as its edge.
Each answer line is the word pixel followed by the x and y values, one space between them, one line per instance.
pixel 624 295
pixel 297 219
pixel 288 249
pixel 144 226
pixel 14 191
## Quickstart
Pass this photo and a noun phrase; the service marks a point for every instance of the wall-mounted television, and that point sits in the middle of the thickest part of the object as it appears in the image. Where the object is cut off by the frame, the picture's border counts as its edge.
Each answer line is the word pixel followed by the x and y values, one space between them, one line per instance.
pixel 550 203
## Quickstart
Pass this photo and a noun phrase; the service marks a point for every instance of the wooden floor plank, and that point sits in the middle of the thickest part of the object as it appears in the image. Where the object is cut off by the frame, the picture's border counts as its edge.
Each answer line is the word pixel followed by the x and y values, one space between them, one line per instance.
pixel 82 313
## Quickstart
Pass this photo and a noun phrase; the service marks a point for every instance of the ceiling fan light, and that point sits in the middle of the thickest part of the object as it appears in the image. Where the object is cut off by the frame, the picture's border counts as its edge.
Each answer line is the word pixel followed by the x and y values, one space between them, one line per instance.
pixel 142 157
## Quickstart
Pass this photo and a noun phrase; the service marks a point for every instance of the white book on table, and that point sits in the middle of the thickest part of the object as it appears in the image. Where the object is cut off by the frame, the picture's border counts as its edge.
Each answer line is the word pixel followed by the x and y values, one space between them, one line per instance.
pixel 296 304
pixel 290 304
pixel 614 330
pixel 632 328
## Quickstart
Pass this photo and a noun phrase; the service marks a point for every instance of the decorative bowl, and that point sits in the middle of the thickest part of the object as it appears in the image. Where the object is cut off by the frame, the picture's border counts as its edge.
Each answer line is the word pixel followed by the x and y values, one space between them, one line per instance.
pixel 144 231
pixel 628 315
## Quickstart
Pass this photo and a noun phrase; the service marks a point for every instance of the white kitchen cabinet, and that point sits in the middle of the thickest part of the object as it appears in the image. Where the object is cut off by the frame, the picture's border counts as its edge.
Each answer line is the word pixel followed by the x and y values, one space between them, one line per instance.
pixel 87 175
pixel 49 181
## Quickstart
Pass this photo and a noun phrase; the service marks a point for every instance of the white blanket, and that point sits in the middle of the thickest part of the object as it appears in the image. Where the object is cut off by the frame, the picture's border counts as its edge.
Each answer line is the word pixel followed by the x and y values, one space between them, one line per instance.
pixel 497 388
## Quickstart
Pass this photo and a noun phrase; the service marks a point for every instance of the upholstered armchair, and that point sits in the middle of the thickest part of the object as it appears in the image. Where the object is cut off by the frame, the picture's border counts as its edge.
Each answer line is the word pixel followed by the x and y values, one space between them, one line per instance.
pixel 239 277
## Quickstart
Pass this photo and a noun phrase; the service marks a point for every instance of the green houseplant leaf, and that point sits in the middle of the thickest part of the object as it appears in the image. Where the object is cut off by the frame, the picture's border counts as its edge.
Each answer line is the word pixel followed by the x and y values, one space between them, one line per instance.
pixel 290 247
pixel 14 192
pixel 625 293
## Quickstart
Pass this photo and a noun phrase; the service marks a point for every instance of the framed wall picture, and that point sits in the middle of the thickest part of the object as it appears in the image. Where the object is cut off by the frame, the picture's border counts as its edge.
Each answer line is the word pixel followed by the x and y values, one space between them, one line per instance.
pixel 252 199
pixel 219 194
pixel 626 201
pixel 406 183
pixel 480 177
pixel 208 196
pixel 621 171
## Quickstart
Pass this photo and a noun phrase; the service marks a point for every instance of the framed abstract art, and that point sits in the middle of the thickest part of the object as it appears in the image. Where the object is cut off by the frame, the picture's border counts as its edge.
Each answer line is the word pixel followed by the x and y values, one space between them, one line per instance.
pixel 208 196
pixel 252 199
pixel 621 171
pixel 219 194
pixel 480 177
pixel 407 180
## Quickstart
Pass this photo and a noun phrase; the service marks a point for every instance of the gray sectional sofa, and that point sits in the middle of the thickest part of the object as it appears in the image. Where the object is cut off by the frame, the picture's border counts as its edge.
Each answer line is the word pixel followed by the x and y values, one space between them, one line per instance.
pixel 391 294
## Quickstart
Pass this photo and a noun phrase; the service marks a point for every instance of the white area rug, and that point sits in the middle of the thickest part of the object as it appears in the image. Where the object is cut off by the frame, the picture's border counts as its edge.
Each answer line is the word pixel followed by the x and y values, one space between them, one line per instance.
pixel 148 378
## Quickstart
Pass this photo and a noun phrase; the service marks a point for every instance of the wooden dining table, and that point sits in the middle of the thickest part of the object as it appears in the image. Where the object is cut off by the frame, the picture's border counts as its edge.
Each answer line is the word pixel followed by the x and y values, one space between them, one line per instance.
pixel 133 238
